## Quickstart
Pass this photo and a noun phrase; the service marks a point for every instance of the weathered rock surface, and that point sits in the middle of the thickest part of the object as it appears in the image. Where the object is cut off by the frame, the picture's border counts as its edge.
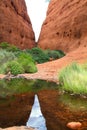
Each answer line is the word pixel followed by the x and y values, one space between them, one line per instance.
pixel 15 25
pixel 65 27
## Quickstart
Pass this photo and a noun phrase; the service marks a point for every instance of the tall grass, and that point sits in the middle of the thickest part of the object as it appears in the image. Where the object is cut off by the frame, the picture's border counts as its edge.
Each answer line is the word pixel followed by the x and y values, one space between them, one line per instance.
pixel 73 78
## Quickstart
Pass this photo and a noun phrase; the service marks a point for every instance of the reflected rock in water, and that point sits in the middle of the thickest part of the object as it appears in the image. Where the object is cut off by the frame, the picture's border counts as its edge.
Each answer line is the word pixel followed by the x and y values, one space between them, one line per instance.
pixel 36 119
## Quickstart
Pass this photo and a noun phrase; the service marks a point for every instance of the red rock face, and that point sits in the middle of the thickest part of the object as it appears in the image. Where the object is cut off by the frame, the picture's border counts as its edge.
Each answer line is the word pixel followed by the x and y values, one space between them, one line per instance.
pixel 65 27
pixel 15 25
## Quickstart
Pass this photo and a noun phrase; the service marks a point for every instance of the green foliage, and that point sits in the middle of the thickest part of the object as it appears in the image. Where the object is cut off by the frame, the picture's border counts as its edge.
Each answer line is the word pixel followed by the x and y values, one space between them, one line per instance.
pixel 27 58
pixel 4 45
pixel 41 56
pixel 74 79
pixel 23 64
pixel 27 63
pixel 38 55
pixel 16 61
pixel 5 57
pixel 61 53
pixel 13 48
pixel 54 54
pixel 14 67
pixel 9 47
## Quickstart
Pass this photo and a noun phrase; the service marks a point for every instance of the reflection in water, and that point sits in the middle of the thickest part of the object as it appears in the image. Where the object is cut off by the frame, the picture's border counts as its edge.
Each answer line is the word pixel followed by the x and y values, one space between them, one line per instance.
pixel 16 100
pixel 36 119
pixel 21 85
pixel 74 103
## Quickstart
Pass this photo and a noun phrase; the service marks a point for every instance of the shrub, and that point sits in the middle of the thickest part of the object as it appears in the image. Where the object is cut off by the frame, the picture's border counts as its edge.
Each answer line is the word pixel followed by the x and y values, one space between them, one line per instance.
pixel 25 56
pixel 22 63
pixel 3 68
pixel 14 67
pixel 13 48
pixel 4 45
pixel 74 79
pixel 61 53
pixel 27 63
pixel 6 56
pixel 29 67
pixel 9 47
pixel 38 55
pixel 54 54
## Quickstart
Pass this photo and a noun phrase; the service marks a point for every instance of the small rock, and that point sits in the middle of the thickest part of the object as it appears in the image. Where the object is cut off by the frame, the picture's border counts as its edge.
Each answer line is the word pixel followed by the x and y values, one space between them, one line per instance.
pixel 74 125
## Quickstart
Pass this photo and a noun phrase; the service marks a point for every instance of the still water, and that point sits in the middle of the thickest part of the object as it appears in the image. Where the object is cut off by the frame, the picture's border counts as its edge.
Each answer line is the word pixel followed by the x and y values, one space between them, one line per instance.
pixel 17 97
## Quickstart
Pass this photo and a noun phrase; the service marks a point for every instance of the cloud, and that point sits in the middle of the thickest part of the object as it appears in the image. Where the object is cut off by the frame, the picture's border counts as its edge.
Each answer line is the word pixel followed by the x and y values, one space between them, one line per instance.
pixel 37 13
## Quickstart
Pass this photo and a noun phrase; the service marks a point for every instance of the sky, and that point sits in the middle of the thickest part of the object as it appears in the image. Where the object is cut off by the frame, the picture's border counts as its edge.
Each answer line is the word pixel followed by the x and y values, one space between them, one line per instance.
pixel 37 12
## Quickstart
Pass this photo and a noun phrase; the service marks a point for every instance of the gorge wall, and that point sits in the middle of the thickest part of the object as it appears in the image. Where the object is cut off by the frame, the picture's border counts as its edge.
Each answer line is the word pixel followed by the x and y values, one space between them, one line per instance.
pixel 65 26
pixel 15 25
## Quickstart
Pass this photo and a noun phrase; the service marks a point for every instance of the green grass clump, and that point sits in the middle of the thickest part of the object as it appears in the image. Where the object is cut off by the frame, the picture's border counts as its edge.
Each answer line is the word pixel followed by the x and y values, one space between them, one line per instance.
pixel 73 79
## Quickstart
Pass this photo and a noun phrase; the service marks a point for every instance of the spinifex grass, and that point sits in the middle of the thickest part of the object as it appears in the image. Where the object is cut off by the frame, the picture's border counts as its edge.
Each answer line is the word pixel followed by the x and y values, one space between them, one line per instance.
pixel 74 79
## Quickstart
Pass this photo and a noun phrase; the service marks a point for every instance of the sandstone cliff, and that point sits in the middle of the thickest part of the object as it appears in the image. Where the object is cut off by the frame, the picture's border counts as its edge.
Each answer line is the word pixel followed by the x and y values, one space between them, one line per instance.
pixel 15 25
pixel 65 26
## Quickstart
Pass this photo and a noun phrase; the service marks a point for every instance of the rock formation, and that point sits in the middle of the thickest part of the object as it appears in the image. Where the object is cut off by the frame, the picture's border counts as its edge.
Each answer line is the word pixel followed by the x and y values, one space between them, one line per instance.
pixel 65 27
pixel 15 25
